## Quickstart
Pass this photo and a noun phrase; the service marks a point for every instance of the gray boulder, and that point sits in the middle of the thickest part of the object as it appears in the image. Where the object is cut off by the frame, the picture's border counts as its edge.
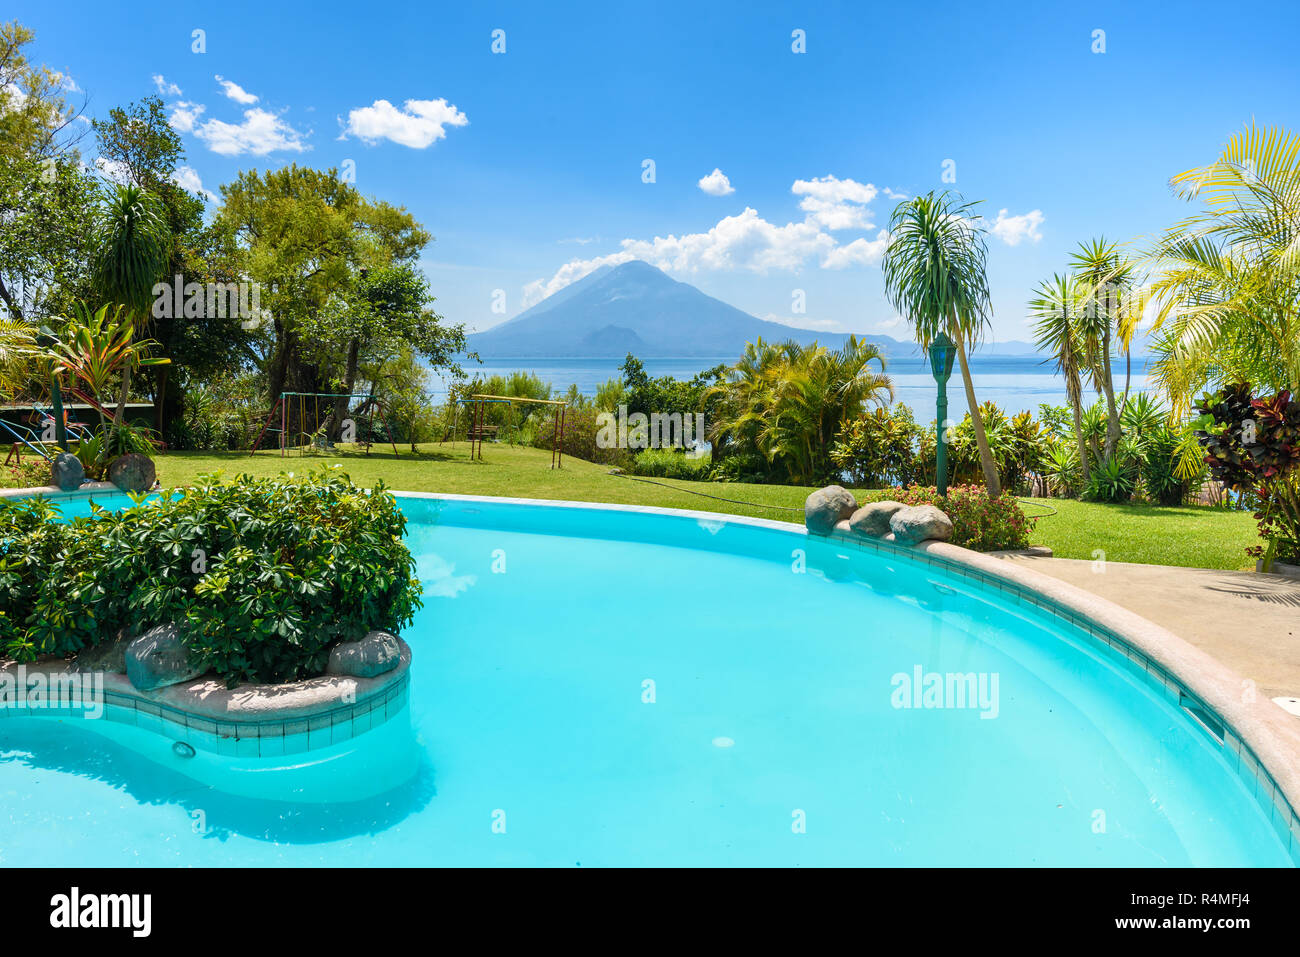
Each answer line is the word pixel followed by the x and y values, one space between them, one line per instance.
pixel 132 472
pixel 377 653
pixel 110 657
pixel 826 506
pixel 158 658
pixel 873 518
pixel 920 523
pixel 67 472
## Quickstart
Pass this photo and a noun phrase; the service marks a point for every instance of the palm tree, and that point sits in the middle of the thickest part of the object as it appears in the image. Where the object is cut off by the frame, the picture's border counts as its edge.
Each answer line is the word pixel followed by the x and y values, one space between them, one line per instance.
pixel 133 249
pixel 788 401
pixel 934 270
pixel 17 350
pixel 1227 279
pixel 1104 278
pixel 1054 311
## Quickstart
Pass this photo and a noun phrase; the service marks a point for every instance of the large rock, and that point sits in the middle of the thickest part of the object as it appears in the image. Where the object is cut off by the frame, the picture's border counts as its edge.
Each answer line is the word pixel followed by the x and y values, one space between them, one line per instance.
pixel 66 472
pixel 132 472
pixel 375 654
pixel 109 657
pixel 826 506
pixel 920 523
pixel 158 658
pixel 873 518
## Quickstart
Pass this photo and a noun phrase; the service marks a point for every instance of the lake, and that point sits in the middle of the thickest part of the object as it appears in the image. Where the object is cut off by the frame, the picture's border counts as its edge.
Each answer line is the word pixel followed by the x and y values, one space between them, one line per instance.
pixel 1015 383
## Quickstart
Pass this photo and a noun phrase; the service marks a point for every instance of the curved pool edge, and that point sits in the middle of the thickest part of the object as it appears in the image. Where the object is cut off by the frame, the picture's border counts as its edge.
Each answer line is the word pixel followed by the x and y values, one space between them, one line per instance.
pixel 1259 740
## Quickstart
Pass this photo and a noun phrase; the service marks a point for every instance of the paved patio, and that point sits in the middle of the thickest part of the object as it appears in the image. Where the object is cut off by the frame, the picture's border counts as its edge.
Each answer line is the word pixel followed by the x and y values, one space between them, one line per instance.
pixel 1248 621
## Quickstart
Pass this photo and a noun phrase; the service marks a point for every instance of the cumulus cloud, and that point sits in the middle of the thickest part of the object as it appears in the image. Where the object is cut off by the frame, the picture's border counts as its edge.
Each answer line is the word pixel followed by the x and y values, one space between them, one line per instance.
pixel 235 92
pixel 418 124
pixel 860 252
pixel 1012 229
pixel 744 241
pixel 835 203
pixel 164 87
pixel 716 183
pixel 184 116
pixel 187 178
pixel 261 132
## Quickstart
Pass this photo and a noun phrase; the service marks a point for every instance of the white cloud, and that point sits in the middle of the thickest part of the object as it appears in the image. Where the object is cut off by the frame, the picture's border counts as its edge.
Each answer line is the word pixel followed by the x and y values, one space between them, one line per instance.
pixel 892 194
pixel 165 88
pixel 745 241
pixel 860 252
pixel 235 92
pixel 835 203
pixel 886 324
pixel 417 124
pixel 187 178
pixel 67 83
pixel 716 183
pixel 261 132
pixel 1012 229
pixel 185 115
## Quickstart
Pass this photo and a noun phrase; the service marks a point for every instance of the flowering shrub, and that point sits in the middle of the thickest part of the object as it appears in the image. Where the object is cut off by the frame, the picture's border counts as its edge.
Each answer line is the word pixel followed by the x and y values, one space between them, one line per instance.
pixel 978 522
pixel 30 473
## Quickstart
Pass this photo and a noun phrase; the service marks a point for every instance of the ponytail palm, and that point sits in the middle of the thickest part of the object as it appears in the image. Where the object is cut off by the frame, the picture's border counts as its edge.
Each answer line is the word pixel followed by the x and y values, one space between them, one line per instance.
pixel 132 252
pixel 1054 312
pixel 934 271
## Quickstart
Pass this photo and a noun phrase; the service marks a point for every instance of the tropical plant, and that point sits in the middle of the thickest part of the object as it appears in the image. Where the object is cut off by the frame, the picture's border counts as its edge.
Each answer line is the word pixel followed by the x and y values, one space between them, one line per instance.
pixel 879 448
pixel 1226 280
pixel 293 567
pixel 1061 468
pixel 131 255
pixel 1053 310
pixel 789 401
pixel 934 272
pixel 1112 481
pixel 1252 446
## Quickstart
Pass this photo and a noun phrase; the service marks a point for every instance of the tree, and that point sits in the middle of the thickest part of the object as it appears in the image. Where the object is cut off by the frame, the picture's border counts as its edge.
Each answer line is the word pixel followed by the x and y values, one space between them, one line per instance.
pixel 1054 311
pixel 1104 281
pixel 131 253
pixel 934 271
pixel 1226 280
pixel 139 147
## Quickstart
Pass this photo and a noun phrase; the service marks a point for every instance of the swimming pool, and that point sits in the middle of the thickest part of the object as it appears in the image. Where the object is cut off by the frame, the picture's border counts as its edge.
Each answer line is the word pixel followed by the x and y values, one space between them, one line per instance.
pixel 595 687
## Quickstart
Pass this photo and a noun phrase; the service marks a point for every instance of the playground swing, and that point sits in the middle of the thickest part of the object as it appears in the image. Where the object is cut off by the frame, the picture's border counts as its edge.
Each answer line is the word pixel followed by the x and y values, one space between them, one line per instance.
pixel 479 429
pixel 295 434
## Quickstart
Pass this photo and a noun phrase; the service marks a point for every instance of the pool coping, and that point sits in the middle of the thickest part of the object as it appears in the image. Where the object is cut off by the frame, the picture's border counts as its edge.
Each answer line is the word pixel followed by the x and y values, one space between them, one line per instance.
pixel 1259 740
pixel 249 720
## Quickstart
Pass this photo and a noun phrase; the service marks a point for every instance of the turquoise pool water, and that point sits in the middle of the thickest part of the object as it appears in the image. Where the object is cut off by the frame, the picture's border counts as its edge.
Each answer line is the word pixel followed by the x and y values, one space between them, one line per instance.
pixel 595 688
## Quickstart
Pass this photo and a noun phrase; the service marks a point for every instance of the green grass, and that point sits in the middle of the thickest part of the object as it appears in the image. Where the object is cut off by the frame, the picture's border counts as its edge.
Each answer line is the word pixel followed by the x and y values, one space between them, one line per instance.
pixel 1192 536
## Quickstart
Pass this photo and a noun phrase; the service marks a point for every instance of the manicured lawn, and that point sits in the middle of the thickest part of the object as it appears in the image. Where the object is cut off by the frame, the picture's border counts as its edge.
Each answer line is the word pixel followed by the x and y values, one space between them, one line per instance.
pixel 1196 537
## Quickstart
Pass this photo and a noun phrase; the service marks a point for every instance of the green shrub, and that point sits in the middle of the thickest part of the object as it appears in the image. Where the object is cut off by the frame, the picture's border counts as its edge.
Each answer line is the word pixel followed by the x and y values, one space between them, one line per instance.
pixel 978 522
pixel 264 575
pixel 671 463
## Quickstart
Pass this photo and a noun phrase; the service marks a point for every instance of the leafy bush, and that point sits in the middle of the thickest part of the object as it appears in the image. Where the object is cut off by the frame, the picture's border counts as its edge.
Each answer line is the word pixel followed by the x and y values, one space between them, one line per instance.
pixel 30 473
pixel 580 430
pixel 1111 481
pixel 264 575
pixel 1252 445
pixel 879 447
pixel 978 522
pixel 671 463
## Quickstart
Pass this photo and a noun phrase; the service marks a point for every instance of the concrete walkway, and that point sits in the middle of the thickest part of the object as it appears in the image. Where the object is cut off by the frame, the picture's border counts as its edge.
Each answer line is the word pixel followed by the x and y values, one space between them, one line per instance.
pixel 1248 621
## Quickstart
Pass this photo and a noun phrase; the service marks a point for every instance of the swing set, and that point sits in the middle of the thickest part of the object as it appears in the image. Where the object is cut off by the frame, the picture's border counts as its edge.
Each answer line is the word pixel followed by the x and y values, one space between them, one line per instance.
pixel 294 434
pixel 479 429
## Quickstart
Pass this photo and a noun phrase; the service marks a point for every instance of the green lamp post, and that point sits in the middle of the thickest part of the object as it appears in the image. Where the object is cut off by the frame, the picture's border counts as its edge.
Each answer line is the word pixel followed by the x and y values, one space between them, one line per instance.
pixel 942 351
pixel 46 339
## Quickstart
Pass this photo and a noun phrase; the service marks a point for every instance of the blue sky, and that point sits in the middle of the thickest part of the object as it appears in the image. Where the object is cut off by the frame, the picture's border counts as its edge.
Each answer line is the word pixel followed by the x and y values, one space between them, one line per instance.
pixel 528 165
